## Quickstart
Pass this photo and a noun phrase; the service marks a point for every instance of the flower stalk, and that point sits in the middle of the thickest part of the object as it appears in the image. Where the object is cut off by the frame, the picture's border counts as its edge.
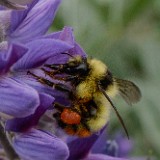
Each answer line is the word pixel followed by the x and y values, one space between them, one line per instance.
pixel 10 153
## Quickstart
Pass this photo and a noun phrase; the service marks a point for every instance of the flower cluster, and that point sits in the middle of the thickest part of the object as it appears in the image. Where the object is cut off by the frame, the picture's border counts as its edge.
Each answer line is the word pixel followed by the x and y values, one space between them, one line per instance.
pixel 25 45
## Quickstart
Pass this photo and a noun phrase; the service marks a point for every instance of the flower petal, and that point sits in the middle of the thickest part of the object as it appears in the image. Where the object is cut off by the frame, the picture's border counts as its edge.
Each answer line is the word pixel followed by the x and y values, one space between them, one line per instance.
pixel 38 145
pixel 66 35
pixel 17 100
pixel 59 96
pixel 8 58
pixel 39 51
pixel 23 124
pixel 78 50
pixel 101 141
pixel 63 58
pixel 125 145
pixel 80 147
pixel 37 21
pixel 17 17
pixel 112 148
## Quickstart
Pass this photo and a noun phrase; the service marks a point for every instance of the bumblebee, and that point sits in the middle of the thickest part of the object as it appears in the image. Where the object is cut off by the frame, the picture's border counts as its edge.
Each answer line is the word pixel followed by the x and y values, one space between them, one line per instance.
pixel 93 86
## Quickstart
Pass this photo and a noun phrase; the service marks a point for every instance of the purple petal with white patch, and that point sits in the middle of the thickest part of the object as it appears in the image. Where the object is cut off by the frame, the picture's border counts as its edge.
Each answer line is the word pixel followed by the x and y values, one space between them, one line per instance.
pixel 112 148
pixel 39 145
pixel 39 51
pixel 17 100
pixel 34 22
pixel 125 146
pixel 24 124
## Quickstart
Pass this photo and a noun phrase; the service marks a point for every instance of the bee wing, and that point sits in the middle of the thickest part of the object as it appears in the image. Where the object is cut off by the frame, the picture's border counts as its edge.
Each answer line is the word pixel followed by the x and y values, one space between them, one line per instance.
pixel 128 90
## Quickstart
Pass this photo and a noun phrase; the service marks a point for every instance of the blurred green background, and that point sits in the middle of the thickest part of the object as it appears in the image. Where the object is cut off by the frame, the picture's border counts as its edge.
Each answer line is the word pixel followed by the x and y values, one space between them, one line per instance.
pixel 125 34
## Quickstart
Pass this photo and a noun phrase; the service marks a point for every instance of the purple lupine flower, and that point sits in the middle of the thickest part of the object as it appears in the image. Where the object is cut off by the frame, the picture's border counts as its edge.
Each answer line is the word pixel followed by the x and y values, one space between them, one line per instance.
pixel 96 147
pixel 81 149
pixel 15 4
pixel 47 49
pixel 34 54
pixel 39 49
pixel 26 25
pixel 119 146
pixel 32 60
pixel 21 26
pixel 34 22
pixel 13 95
pixel 15 24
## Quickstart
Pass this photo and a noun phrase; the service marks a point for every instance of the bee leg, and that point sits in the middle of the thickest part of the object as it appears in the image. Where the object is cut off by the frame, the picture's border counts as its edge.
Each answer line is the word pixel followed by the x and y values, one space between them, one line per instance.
pixel 53 73
pixel 57 67
pixel 50 73
pixel 59 106
pixel 62 87
pixel 58 86
pixel 41 79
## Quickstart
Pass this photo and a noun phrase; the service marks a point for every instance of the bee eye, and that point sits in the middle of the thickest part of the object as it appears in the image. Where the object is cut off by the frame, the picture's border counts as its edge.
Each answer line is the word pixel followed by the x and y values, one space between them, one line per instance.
pixel 80 69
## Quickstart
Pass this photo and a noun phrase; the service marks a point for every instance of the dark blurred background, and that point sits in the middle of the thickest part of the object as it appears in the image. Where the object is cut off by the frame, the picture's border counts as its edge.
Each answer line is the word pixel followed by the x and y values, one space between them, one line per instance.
pixel 125 34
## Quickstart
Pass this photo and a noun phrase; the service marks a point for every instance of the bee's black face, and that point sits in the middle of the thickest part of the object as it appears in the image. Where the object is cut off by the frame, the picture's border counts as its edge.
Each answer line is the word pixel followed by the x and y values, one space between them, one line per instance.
pixel 77 68
pixel 106 80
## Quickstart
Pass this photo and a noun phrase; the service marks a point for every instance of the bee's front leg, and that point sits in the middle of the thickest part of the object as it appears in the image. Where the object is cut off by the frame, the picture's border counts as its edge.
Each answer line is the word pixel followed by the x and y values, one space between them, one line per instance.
pixel 58 86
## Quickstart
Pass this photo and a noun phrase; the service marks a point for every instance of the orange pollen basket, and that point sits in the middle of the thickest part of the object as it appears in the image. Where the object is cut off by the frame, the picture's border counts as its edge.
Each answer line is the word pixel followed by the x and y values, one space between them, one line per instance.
pixel 81 132
pixel 70 117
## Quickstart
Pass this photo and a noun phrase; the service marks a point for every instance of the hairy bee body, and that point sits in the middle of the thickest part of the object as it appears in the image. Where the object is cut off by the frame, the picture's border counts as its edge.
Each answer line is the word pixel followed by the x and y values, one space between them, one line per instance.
pixel 87 90
pixel 92 87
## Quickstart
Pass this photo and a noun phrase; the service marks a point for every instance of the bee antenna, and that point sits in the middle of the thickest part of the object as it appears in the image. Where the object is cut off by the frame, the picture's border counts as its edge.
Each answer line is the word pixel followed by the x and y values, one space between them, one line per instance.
pixel 68 54
pixel 115 109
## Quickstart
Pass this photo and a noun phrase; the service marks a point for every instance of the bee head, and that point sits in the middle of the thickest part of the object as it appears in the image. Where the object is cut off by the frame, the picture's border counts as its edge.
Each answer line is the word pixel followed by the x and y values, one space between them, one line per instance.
pixel 76 66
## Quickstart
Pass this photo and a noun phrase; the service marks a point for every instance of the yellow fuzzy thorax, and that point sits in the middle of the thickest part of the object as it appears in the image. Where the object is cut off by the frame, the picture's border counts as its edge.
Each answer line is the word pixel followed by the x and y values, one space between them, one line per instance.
pixel 98 68
pixel 89 86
